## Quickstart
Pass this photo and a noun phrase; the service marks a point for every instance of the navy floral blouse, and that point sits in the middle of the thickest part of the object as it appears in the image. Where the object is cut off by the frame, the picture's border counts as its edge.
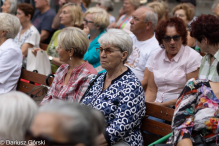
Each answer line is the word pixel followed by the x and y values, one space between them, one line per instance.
pixel 123 106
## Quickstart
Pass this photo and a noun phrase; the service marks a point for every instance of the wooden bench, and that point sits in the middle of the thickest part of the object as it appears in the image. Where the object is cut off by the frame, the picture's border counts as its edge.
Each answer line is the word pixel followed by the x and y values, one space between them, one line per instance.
pixel 33 78
pixel 158 129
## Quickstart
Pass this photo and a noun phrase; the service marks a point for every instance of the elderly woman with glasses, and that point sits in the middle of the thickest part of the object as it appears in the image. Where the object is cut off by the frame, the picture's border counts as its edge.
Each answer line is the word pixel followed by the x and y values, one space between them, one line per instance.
pixel 96 21
pixel 171 67
pixel 117 93
pixel 73 77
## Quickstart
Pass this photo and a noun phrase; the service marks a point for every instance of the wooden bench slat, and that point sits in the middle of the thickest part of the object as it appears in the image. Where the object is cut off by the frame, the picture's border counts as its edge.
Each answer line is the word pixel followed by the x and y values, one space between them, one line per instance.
pixel 34 77
pixel 25 87
pixel 160 112
pixel 155 127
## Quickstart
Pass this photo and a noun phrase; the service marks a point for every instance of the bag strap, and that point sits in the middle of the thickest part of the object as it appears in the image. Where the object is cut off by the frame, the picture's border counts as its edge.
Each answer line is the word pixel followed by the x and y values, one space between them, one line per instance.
pixel 88 89
pixel 39 88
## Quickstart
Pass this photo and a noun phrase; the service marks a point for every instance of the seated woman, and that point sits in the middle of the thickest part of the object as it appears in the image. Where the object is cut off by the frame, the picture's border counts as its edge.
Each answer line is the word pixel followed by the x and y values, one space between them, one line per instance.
pixel 196 112
pixel 117 93
pixel 125 16
pixel 186 13
pixel 71 16
pixel 17 111
pixel 9 6
pixel 28 36
pixel 10 54
pixel 96 20
pixel 171 67
pixel 72 78
pixel 204 30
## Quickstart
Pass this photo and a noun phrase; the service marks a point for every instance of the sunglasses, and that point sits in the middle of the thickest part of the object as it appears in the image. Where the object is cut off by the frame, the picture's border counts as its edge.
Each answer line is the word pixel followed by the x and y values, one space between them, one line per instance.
pixel 46 140
pixel 168 38
pixel 86 21
pixel 106 50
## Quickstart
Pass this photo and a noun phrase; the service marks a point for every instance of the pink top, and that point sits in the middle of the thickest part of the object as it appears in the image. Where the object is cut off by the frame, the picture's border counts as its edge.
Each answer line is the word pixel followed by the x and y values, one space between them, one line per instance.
pixel 170 75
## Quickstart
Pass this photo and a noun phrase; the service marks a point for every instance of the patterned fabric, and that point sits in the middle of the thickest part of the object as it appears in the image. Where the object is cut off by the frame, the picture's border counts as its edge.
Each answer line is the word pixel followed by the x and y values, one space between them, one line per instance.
pixel 76 86
pixel 208 71
pixel 196 111
pixel 123 106
pixel 124 23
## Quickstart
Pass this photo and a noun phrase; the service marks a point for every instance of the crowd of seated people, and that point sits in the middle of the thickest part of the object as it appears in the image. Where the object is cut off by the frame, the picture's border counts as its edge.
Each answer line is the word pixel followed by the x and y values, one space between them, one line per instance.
pixel 105 69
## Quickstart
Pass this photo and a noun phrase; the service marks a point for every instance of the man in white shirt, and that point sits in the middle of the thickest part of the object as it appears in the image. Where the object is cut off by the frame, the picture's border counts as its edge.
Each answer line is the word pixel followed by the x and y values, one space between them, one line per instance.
pixel 143 24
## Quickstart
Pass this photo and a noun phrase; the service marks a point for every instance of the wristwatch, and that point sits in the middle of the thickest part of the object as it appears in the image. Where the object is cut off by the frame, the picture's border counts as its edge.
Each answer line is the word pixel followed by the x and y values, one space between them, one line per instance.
pixel 50 58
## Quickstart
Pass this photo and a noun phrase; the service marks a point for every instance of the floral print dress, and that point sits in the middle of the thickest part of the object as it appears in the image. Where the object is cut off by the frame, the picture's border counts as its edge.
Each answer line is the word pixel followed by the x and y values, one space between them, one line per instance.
pixel 196 111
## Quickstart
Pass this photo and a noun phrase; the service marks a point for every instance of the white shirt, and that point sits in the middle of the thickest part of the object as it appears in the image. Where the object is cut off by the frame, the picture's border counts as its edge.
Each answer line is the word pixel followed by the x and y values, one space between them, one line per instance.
pixel 142 51
pixel 31 36
pixel 11 63
pixel 170 75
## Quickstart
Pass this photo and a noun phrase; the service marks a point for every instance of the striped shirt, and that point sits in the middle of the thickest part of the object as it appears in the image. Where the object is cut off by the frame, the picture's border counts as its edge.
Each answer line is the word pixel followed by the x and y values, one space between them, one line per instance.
pixel 76 86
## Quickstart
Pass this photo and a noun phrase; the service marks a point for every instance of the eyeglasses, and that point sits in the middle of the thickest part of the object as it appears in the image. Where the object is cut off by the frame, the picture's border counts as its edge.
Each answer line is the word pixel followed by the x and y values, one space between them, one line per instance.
pixel 106 50
pixel 86 21
pixel 46 140
pixel 168 38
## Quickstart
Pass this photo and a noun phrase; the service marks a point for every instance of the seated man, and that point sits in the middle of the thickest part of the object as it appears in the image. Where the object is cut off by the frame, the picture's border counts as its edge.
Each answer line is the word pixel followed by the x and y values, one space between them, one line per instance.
pixel 145 44
pixel 42 20
pixel 65 123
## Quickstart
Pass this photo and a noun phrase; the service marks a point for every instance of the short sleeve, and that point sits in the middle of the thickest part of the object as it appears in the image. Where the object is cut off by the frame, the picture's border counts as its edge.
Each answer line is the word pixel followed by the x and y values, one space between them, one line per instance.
pixel 33 38
pixel 150 62
pixel 151 57
pixel 194 61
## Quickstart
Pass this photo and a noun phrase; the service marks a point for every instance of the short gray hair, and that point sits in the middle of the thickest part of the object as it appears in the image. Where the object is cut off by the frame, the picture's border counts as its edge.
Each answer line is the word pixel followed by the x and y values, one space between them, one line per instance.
pixel 80 123
pixel 17 111
pixel 215 4
pixel 9 23
pixel 13 7
pixel 117 38
pixel 152 16
pixel 74 38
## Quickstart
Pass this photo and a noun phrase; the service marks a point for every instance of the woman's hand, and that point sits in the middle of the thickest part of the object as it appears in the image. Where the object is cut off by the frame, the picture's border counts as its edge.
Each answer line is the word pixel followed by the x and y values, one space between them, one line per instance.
pixel 101 141
pixel 34 51
pixel 86 30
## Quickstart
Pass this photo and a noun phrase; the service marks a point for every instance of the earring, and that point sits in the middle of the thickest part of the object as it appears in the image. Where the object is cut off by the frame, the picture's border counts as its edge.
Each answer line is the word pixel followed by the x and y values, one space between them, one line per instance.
pixel 70 57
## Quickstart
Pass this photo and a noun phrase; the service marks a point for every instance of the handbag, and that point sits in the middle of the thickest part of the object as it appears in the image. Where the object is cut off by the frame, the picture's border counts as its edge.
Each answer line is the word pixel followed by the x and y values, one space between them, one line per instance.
pixel 40 62
pixel 37 97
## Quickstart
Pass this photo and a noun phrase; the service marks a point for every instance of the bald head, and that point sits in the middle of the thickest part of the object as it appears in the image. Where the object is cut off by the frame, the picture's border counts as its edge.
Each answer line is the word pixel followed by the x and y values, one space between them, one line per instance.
pixel 149 15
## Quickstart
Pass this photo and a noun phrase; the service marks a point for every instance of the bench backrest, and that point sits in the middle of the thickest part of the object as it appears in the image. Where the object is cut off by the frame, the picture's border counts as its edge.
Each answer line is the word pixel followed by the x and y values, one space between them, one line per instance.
pixel 33 77
pixel 156 129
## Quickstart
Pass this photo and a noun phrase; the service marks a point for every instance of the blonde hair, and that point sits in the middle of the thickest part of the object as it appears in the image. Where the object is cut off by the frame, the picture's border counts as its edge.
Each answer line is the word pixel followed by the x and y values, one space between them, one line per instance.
pixel 73 38
pixel 190 13
pixel 159 8
pixel 135 3
pixel 100 17
pixel 76 13
pixel 9 23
